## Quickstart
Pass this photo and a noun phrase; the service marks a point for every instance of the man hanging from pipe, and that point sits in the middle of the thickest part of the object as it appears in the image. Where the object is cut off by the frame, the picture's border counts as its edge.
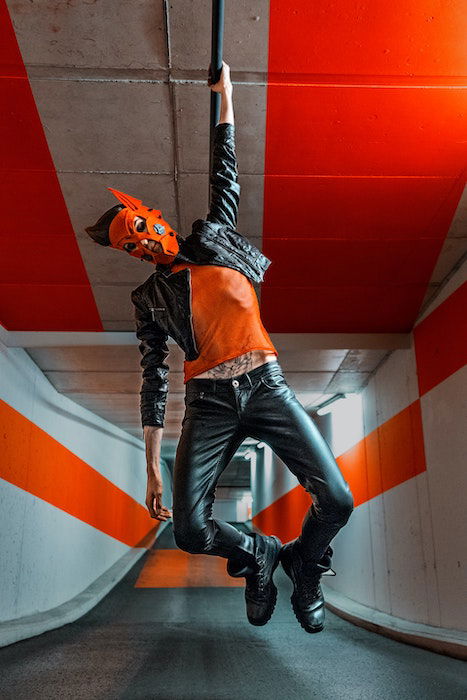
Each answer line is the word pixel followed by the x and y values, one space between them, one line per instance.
pixel 202 295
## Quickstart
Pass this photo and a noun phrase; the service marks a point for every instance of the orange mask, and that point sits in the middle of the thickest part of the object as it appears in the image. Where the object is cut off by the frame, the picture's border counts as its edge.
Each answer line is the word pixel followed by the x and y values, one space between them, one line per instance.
pixel 124 236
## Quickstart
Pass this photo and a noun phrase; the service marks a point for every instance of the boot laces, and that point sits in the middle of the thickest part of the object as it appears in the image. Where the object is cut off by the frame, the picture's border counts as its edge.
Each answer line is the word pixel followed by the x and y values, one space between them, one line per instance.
pixel 309 581
pixel 255 583
pixel 310 584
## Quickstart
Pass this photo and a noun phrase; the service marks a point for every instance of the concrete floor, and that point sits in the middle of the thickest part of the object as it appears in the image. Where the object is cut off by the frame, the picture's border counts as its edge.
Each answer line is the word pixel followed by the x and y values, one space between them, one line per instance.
pixel 193 643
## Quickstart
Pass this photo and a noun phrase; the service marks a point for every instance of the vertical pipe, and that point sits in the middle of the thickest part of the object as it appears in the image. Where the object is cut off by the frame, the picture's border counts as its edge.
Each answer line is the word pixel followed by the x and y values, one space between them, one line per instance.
pixel 217 41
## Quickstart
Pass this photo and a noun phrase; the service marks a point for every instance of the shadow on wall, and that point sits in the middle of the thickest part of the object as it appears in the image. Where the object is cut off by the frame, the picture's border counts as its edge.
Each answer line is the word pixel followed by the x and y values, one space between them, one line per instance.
pixel 133 442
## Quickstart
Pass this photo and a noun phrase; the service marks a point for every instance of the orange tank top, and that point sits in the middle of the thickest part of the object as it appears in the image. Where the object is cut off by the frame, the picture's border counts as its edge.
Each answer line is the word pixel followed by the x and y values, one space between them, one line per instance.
pixel 225 314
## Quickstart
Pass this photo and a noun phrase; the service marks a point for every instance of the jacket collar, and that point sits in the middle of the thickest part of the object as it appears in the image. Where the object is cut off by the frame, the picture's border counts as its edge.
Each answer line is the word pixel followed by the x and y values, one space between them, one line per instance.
pixel 166 269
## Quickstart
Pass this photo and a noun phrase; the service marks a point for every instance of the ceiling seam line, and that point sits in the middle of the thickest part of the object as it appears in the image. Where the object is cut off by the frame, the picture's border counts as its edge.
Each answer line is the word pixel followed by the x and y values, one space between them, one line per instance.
pixel 238 80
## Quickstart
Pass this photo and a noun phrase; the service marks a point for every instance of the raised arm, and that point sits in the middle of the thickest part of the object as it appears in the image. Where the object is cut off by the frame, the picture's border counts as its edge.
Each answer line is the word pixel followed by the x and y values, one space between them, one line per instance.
pixel 225 190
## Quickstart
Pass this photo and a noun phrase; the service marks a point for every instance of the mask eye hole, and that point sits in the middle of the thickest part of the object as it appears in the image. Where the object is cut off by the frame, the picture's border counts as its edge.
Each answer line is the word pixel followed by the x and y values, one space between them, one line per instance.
pixel 129 246
pixel 140 225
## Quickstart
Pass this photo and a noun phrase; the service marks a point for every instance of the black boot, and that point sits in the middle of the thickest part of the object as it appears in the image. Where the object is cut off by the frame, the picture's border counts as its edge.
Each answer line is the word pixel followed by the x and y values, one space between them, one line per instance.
pixel 258 568
pixel 307 598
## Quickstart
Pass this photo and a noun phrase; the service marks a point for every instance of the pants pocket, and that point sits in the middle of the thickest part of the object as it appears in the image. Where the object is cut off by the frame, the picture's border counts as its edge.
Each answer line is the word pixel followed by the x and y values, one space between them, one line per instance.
pixel 275 381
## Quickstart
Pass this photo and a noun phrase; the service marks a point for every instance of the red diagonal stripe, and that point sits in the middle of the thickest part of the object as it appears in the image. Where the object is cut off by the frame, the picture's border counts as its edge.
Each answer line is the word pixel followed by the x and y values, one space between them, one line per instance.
pixel 44 285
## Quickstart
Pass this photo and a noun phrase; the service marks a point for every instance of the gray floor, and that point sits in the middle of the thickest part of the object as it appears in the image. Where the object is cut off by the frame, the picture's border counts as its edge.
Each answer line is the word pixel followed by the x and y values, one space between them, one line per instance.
pixel 188 644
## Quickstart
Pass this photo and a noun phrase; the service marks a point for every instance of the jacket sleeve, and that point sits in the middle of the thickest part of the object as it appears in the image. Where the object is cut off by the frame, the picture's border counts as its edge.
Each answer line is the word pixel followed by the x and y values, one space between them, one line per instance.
pixel 225 190
pixel 154 350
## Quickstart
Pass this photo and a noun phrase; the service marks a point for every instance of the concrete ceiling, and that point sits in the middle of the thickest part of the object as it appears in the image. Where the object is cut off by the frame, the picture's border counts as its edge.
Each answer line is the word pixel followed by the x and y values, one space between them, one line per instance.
pixel 354 157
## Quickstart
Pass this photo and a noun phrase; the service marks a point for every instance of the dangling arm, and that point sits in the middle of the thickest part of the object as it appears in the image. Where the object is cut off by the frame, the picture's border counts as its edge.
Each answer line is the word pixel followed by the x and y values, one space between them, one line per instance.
pixel 154 351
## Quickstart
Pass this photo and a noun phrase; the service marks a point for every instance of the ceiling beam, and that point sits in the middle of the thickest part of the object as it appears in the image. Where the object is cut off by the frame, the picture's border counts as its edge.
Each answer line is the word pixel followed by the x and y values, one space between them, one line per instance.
pixel 296 341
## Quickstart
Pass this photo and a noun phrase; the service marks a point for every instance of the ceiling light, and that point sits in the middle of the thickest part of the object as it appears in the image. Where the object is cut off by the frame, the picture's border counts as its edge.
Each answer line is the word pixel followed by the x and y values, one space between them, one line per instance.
pixel 323 408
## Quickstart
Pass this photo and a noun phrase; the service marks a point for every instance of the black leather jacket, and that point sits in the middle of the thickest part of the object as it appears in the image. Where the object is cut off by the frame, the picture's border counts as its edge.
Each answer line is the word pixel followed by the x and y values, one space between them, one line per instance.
pixel 163 302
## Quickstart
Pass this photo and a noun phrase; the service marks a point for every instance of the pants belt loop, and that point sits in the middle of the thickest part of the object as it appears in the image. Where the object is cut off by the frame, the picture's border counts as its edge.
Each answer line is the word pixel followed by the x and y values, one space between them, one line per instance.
pixel 249 379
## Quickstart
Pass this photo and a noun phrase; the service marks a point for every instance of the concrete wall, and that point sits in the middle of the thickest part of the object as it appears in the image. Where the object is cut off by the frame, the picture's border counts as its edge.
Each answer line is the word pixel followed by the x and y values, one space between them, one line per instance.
pixel 72 489
pixel 401 447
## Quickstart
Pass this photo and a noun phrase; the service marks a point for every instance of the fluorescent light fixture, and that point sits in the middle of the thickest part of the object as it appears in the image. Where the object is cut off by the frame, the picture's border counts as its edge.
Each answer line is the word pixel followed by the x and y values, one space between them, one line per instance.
pixel 323 408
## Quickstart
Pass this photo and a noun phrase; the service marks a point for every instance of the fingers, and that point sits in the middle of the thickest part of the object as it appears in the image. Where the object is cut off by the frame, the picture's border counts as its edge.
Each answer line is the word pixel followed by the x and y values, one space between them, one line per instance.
pixel 164 513
pixel 155 508
pixel 150 506
pixel 163 516
pixel 153 502
pixel 224 74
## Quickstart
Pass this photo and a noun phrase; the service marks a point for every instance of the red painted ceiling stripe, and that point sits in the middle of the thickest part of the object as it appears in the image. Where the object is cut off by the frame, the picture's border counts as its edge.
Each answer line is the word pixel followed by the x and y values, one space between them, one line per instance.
pixel 365 131
pixel 34 461
pixel 379 263
pixel 387 457
pixel 373 167
pixel 417 37
pixel 59 307
pixel 24 146
pixel 32 192
pixel 346 309
pixel 441 341
pixel 337 80
pixel 358 208
pixel 11 62
pixel 44 285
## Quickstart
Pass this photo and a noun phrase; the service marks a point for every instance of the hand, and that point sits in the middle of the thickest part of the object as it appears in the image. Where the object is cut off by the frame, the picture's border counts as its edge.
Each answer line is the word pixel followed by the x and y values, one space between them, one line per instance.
pixel 154 498
pixel 224 83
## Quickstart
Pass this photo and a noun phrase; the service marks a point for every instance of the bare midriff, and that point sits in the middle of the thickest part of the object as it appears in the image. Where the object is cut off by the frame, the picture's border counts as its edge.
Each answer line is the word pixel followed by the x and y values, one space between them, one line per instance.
pixel 238 365
pixel 230 336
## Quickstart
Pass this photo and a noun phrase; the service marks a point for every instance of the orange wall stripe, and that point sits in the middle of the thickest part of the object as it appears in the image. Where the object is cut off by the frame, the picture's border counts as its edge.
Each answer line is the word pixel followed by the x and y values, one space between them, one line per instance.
pixel 441 341
pixel 386 457
pixel 284 517
pixel 34 461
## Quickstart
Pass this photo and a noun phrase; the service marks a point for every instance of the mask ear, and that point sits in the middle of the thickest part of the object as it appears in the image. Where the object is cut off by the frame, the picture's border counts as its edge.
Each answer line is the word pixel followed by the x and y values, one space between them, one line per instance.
pixel 100 231
pixel 126 199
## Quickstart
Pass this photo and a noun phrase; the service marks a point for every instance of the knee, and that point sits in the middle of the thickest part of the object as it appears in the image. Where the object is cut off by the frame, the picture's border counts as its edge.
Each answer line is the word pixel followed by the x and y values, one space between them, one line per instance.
pixel 191 537
pixel 343 505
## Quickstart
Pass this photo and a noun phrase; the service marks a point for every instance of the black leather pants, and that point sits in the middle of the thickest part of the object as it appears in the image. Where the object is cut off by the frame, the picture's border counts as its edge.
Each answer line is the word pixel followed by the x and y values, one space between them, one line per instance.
pixel 220 414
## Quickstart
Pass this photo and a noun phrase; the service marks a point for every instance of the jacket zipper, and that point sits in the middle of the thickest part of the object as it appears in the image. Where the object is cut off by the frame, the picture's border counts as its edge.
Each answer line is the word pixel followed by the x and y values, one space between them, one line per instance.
pixel 191 310
pixel 152 309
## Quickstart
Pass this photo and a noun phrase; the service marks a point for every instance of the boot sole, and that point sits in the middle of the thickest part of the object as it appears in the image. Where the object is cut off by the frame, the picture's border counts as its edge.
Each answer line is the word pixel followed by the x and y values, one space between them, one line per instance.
pixel 310 630
pixel 270 610
pixel 288 570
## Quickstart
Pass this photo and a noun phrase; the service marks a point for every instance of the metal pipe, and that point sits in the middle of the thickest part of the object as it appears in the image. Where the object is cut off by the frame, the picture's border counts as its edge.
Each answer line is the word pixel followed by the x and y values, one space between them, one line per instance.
pixel 217 44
